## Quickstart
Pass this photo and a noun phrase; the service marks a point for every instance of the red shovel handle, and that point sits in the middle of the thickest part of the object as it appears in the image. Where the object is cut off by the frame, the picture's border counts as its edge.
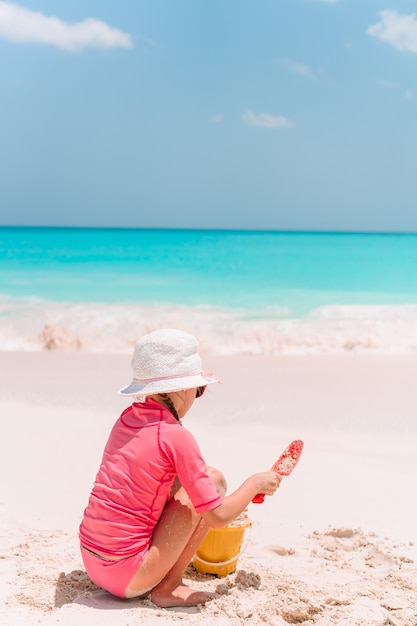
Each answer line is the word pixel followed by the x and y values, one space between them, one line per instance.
pixel 259 498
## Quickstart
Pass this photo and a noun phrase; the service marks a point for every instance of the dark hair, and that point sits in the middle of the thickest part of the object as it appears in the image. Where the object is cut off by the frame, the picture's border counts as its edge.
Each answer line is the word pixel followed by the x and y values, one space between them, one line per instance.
pixel 170 405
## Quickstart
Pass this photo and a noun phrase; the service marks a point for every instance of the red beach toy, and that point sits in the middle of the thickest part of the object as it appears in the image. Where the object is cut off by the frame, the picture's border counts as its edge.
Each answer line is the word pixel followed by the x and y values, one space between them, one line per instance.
pixel 285 464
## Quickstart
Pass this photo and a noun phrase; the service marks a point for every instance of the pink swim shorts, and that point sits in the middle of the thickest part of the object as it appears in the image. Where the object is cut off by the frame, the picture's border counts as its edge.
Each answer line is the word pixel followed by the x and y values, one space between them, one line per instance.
pixel 113 576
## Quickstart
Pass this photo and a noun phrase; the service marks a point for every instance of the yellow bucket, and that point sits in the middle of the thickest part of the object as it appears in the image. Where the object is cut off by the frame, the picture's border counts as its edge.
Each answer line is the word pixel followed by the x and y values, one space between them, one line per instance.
pixel 220 550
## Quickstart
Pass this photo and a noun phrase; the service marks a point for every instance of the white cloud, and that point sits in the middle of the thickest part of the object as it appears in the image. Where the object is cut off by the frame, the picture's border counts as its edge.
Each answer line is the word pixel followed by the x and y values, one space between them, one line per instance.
pixel 265 120
pixel 216 119
pixel 297 68
pixel 388 84
pixel 24 26
pixel 398 30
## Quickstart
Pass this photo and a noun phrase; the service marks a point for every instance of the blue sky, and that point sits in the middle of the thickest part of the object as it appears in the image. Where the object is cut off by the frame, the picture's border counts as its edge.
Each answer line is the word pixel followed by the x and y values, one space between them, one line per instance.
pixel 269 114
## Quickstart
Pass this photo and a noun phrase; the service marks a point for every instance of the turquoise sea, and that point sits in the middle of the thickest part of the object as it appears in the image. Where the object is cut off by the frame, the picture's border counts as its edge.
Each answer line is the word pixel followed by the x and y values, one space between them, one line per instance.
pixel 238 291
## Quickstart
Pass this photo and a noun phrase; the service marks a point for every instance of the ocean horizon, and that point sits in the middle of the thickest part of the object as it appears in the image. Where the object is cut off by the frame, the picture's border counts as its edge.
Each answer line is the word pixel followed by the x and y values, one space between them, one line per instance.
pixel 239 292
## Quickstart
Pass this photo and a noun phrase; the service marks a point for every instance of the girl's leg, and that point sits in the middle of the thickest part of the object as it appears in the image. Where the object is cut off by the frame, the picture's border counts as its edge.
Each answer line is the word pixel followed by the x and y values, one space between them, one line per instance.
pixel 176 539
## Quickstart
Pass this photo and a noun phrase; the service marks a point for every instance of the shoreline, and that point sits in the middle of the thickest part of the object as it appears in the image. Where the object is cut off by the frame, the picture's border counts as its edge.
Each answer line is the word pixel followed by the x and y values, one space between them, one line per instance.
pixel 347 393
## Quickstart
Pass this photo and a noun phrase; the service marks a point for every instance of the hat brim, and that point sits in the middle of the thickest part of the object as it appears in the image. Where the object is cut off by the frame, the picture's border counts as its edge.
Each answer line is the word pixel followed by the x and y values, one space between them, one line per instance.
pixel 148 388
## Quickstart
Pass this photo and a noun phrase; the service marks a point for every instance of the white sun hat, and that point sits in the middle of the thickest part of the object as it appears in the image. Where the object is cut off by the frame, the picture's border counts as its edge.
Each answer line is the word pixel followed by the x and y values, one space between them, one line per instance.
pixel 166 360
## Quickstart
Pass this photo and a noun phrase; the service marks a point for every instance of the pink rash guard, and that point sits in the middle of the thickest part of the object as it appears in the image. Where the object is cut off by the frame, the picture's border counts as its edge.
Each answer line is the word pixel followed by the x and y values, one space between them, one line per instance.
pixel 146 450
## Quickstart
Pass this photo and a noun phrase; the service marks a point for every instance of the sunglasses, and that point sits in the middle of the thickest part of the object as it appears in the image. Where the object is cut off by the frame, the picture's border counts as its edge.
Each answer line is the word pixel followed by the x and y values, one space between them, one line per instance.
pixel 199 391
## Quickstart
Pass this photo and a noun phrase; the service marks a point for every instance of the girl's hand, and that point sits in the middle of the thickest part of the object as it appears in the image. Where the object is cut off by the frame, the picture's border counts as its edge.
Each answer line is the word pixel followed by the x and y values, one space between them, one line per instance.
pixel 236 502
pixel 267 482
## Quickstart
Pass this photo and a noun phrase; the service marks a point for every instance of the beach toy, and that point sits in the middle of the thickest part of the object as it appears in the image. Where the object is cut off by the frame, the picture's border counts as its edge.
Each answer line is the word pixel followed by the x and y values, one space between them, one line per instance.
pixel 285 464
pixel 220 550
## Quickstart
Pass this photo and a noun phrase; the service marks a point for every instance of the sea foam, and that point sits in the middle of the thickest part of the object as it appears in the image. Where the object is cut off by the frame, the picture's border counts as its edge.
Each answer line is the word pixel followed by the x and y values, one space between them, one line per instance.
pixel 29 324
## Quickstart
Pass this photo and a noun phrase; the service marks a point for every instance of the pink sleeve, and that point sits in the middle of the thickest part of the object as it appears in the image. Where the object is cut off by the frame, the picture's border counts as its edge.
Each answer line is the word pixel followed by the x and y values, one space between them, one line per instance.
pixel 184 453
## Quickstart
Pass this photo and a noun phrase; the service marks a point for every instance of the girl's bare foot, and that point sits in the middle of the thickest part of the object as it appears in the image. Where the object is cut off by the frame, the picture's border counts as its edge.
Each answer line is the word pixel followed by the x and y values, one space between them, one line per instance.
pixel 179 596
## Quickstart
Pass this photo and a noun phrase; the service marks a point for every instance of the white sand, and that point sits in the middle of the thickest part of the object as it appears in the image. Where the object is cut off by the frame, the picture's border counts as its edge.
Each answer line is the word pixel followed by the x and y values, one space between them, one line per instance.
pixel 336 545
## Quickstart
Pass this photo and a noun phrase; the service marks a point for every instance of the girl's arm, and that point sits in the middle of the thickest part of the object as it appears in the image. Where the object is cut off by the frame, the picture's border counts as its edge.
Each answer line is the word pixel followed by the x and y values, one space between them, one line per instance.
pixel 233 505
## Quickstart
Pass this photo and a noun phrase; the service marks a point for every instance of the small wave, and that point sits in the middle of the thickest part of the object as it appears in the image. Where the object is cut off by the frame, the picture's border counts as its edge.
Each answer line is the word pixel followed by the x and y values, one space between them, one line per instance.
pixel 365 312
pixel 34 325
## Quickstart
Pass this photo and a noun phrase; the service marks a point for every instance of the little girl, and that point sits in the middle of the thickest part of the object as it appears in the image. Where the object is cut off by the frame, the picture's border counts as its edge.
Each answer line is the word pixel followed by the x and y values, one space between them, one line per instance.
pixel 154 499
